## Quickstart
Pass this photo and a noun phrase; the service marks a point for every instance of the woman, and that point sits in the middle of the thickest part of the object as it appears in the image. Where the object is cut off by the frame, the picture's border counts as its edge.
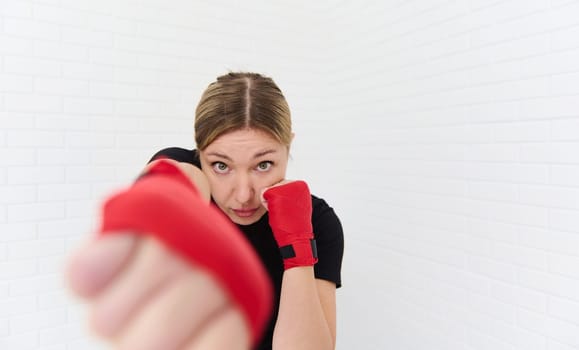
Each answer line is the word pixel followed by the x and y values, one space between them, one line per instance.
pixel 243 135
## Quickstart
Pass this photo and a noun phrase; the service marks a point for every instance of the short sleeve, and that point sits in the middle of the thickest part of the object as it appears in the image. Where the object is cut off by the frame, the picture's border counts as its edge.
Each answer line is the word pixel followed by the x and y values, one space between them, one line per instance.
pixel 179 154
pixel 329 240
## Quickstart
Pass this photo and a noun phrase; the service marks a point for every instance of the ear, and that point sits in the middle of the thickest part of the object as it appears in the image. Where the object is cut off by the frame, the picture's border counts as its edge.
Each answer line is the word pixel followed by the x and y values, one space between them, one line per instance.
pixel 291 141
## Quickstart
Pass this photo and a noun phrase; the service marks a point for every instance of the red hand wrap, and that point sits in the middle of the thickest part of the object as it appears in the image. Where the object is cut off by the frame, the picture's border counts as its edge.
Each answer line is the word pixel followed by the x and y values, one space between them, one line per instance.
pixel 166 204
pixel 290 218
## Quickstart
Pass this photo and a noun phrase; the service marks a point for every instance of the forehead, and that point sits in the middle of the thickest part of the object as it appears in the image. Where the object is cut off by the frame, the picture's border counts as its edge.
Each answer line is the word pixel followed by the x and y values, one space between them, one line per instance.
pixel 243 143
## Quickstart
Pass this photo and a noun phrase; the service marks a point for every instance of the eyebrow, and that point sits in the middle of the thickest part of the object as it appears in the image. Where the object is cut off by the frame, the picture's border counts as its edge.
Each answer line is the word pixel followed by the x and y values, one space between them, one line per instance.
pixel 255 156
pixel 263 153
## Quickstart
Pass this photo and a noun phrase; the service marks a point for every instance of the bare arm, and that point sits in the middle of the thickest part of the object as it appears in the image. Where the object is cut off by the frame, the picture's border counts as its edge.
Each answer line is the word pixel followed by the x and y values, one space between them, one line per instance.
pixel 307 312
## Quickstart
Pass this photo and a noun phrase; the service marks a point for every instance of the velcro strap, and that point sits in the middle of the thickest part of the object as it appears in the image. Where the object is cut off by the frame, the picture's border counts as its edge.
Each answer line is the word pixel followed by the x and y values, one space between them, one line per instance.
pixel 288 251
pixel 314 248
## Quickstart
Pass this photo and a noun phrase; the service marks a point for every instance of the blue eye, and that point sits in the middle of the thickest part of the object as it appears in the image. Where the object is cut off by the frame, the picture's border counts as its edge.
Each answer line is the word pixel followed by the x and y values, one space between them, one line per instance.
pixel 264 166
pixel 220 167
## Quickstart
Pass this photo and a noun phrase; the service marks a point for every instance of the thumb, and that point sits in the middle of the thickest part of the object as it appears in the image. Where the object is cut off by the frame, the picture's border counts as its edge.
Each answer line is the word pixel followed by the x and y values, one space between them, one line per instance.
pixel 94 265
pixel 262 197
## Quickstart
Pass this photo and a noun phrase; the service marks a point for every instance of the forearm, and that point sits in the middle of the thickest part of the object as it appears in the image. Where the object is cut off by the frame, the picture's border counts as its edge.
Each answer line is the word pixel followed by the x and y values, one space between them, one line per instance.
pixel 301 323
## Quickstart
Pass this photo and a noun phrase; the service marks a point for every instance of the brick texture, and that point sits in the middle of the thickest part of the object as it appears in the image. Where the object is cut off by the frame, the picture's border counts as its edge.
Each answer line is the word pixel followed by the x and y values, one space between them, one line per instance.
pixel 444 133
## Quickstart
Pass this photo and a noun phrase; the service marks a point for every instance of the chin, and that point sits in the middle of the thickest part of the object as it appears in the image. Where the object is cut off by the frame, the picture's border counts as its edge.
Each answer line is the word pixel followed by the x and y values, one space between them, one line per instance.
pixel 244 221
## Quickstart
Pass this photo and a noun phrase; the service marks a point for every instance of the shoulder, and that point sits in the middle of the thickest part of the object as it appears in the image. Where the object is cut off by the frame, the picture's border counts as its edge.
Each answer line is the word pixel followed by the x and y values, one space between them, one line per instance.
pixel 179 154
pixel 320 208
pixel 329 240
pixel 325 221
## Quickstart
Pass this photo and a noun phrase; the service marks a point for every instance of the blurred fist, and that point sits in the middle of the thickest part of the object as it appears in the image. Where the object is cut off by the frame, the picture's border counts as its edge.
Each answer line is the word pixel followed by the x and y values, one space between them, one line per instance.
pixel 143 296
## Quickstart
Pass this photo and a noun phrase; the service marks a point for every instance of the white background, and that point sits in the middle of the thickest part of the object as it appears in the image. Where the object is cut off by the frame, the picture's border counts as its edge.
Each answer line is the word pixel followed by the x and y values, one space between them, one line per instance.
pixel 444 133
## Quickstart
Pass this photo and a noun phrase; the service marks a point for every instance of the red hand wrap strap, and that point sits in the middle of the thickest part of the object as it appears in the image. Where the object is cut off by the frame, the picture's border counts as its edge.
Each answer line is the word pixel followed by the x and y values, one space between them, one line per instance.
pixel 166 204
pixel 290 218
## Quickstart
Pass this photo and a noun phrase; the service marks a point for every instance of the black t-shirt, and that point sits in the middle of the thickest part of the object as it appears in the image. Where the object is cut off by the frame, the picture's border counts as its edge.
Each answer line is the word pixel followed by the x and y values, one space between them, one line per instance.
pixel 327 232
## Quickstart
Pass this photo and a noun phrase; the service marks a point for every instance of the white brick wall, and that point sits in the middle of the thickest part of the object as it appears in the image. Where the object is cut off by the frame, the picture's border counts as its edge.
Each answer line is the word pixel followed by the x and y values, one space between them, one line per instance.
pixel 88 92
pixel 453 124
pixel 462 122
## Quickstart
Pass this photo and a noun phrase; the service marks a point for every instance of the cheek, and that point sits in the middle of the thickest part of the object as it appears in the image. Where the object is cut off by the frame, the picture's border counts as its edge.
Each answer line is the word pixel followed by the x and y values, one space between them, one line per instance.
pixel 269 180
pixel 218 188
pixel 279 174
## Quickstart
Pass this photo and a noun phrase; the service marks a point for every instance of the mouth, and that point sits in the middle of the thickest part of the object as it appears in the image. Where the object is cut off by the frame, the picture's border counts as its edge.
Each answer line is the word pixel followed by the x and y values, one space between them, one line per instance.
pixel 244 213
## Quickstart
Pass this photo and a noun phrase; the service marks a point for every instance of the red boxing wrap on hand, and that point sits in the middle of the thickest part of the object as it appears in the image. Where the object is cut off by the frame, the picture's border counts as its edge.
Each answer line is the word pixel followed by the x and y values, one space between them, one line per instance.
pixel 166 204
pixel 290 218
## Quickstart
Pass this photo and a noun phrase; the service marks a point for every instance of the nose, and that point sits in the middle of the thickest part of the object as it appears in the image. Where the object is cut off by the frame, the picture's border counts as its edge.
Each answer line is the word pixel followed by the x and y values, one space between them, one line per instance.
pixel 244 190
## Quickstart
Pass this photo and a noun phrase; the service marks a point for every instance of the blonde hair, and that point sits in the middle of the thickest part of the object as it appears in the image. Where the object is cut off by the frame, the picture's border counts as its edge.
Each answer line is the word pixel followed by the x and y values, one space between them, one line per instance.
pixel 242 100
